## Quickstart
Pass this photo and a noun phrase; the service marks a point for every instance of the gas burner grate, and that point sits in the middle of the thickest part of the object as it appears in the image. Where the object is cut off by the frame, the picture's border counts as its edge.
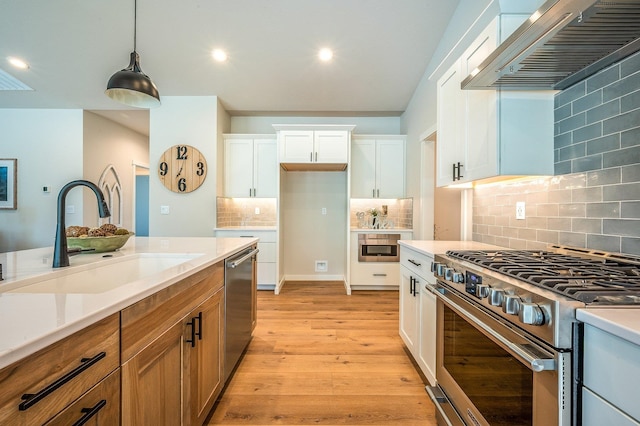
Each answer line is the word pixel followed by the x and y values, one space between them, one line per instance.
pixel 589 280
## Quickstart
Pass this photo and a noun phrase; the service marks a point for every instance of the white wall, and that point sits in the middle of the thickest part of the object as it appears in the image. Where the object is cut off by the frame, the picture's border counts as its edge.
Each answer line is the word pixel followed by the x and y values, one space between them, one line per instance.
pixel 308 235
pixel 364 125
pixel 48 146
pixel 107 142
pixel 190 120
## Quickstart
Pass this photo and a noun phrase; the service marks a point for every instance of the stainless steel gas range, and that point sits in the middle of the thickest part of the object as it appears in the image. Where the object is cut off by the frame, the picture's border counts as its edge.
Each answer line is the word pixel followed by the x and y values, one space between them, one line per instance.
pixel 509 346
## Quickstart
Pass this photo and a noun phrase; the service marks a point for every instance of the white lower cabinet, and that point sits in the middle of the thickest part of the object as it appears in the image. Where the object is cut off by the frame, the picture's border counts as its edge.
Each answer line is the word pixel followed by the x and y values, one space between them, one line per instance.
pixel 418 309
pixel 373 275
pixel 611 376
pixel 427 346
pixel 266 265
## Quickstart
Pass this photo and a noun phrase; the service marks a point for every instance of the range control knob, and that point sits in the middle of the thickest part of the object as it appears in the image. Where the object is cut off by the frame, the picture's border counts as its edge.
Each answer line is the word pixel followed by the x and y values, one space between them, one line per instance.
pixel 448 274
pixel 495 296
pixel 482 291
pixel 530 313
pixel 457 277
pixel 438 269
pixel 511 304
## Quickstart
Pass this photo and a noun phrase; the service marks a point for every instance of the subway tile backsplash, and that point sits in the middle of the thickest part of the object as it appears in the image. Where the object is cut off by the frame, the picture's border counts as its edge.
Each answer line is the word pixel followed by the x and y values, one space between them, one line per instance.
pixel 232 212
pixel 593 201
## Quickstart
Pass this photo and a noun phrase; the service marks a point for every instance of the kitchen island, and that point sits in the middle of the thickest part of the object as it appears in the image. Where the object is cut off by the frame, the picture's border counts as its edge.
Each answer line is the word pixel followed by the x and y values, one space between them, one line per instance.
pixel 134 334
pixel 32 319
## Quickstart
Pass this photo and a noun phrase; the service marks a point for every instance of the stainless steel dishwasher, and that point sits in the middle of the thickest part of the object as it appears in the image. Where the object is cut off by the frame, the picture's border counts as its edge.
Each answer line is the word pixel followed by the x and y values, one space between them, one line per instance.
pixel 238 277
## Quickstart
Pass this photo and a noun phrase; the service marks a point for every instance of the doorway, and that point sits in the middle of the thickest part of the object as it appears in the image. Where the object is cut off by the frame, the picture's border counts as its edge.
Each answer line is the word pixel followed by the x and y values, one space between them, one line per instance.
pixel 141 200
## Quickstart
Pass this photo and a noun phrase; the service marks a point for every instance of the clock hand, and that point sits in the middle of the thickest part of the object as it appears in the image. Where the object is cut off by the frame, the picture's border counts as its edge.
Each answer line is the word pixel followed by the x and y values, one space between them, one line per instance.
pixel 179 171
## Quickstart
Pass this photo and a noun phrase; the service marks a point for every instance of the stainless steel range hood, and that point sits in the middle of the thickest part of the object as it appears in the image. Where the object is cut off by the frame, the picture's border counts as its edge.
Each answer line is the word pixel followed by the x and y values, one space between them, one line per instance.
pixel 563 42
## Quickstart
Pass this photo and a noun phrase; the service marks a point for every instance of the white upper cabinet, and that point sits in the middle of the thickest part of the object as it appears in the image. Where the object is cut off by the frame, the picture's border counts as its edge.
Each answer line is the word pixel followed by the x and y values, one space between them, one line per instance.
pixel 485 134
pixel 314 146
pixel 378 167
pixel 251 166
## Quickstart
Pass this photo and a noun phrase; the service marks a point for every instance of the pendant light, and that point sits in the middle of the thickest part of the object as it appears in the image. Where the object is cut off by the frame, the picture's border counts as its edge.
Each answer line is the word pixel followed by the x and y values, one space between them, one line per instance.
pixel 131 86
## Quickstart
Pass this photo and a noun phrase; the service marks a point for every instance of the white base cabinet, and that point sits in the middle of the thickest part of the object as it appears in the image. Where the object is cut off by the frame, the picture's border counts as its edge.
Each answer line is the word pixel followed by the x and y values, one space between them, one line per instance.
pixel 418 310
pixel 266 265
pixel 373 275
pixel 610 379
pixel 485 134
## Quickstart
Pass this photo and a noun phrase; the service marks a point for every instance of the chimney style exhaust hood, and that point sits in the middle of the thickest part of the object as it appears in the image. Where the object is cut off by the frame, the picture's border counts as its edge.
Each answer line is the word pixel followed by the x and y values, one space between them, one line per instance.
pixel 563 42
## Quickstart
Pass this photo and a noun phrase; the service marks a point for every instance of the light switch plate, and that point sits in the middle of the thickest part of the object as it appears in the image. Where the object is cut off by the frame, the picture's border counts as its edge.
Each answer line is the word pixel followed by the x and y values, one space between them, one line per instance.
pixel 164 210
pixel 520 210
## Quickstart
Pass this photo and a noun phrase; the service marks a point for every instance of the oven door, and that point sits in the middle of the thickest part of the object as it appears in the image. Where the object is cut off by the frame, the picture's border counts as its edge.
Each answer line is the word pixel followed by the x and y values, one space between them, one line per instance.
pixel 489 373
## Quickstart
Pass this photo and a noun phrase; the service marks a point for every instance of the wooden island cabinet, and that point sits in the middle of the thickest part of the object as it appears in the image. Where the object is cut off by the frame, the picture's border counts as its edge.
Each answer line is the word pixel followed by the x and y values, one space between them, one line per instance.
pixel 172 352
pixel 35 390
pixel 157 361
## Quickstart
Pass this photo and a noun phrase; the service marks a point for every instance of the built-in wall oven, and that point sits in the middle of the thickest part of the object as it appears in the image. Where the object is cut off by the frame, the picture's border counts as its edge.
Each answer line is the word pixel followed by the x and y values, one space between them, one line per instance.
pixel 378 248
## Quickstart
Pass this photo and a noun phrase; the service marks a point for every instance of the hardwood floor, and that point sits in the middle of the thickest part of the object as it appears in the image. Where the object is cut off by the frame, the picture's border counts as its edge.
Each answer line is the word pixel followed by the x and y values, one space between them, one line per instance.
pixel 321 357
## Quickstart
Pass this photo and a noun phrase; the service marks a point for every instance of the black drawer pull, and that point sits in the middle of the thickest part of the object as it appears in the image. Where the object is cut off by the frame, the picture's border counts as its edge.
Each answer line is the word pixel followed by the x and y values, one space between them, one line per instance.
pixel 31 399
pixel 414 262
pixel 90 412
pixel 379 275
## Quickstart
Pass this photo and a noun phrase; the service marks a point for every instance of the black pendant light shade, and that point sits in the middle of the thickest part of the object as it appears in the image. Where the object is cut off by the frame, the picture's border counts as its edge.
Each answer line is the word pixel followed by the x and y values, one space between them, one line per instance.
pixel 132 87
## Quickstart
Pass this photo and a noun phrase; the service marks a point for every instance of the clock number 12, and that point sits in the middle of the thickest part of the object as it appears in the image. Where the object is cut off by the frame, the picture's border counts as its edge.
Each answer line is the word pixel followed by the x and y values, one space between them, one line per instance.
pixel 182 152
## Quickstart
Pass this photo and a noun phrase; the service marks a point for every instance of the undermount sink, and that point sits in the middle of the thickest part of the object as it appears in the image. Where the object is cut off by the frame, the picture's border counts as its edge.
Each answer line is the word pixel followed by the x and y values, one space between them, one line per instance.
pixel 104 276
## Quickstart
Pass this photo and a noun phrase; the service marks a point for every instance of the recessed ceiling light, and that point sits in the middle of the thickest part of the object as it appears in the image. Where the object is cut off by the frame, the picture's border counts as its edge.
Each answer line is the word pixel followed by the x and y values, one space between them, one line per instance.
pixel 325 54
pixel 18 63
pixel 219 55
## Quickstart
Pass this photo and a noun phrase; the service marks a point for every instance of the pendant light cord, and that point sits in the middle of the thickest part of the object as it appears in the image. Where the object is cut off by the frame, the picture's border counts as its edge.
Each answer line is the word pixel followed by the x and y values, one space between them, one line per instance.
pixel 135 23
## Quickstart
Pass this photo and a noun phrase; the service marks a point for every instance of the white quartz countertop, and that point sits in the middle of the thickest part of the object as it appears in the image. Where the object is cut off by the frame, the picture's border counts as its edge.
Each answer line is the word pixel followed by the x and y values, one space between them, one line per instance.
pixel 432 247
pixel 247 228
pixel 380 231
pixel 34 315
pixel 621 322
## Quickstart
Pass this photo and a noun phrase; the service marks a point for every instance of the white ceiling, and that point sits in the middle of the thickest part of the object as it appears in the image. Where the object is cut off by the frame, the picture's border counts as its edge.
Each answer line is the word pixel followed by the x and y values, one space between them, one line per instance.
pixel 381 50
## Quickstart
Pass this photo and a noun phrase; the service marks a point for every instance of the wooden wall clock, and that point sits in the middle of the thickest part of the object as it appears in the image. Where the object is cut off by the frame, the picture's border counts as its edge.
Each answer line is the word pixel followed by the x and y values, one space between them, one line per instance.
pixel 182 168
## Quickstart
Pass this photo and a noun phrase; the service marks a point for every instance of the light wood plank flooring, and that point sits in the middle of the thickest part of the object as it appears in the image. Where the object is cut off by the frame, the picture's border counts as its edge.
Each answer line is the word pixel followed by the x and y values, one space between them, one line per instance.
pixel 321 357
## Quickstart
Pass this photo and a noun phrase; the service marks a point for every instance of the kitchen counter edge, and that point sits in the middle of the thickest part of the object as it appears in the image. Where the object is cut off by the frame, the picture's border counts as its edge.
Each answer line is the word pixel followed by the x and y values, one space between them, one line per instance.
pixel 210 251
pixel 433 247
pixel 619 321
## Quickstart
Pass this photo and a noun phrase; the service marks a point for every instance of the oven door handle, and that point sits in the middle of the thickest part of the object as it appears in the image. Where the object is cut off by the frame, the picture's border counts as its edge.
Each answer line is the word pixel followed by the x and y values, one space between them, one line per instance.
pixel 536 363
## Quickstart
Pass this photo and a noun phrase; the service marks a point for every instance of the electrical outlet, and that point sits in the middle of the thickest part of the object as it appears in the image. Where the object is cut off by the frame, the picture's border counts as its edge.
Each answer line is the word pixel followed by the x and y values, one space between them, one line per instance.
pixel 322 266
pixel 324 210
pixel 70 209
pixel 257 210
pixel 164 210
pixel 520 210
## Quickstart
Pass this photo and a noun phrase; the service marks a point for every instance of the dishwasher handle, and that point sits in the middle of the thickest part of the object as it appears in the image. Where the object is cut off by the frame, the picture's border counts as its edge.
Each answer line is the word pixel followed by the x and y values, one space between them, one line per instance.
pixel 236 262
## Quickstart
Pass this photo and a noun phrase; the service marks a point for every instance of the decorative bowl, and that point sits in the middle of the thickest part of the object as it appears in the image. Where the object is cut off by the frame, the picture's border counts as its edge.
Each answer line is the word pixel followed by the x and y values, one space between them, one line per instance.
pixel 98 244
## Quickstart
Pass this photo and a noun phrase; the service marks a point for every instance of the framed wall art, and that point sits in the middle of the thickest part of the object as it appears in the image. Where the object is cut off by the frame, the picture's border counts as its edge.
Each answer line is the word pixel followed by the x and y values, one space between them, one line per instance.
pixel 8 183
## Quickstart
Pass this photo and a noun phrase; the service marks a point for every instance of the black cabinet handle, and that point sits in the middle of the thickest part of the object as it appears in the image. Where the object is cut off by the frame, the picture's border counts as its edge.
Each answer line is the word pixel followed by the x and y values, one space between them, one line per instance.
pixel 195 333
pixel 199 318
pixel 414 262
pixel 411 285
pixel 456 171
pixel 30 399
pixel 90 412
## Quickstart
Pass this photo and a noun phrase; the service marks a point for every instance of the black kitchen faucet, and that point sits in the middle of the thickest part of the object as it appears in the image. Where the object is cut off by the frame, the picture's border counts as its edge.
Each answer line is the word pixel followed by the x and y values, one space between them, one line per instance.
pixel 60 251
